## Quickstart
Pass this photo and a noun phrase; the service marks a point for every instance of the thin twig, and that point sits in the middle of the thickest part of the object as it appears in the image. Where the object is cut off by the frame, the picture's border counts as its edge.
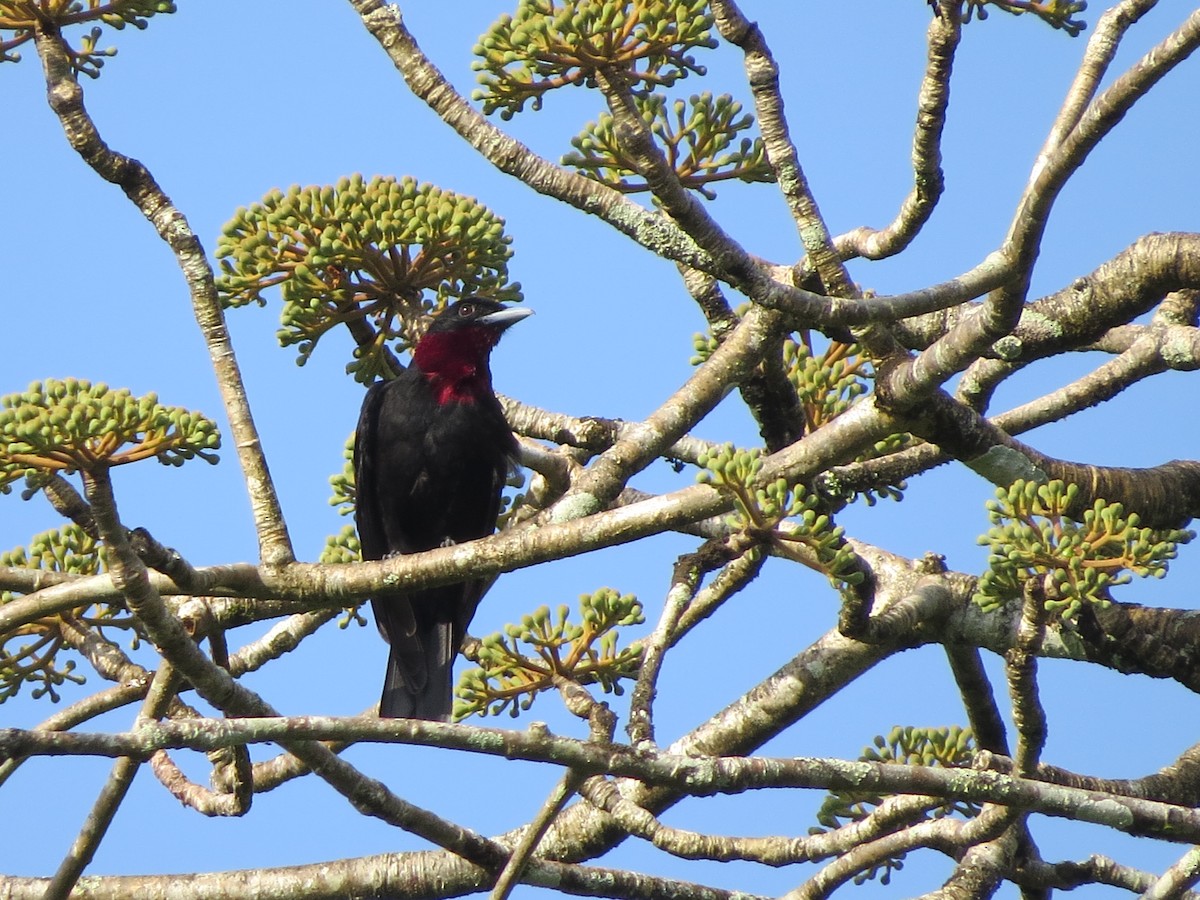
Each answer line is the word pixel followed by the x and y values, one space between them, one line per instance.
pixel 510 875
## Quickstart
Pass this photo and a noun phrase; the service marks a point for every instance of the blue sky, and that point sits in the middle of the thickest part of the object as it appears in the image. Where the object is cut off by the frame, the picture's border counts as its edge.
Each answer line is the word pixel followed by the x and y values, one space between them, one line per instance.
pixel 224 101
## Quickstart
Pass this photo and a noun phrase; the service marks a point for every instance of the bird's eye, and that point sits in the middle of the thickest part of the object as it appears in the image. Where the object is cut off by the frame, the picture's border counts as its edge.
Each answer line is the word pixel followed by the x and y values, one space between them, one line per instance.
pixel 466 310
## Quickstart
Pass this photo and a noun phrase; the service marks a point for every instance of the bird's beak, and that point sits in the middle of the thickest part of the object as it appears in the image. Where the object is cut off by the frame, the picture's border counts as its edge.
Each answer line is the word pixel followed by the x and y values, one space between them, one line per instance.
pixel 503 318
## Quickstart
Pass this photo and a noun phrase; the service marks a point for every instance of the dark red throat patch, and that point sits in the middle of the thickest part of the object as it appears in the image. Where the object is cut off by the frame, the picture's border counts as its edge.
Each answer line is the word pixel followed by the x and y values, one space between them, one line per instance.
pixel 456 363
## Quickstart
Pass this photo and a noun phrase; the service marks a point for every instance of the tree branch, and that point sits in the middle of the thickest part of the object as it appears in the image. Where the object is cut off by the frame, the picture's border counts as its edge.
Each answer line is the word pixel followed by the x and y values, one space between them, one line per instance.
pixel 216 685
pixel 932 102
pixel 689 774
pixel 66 99
pixel 762 73
pixel 996 317
pixel 158 698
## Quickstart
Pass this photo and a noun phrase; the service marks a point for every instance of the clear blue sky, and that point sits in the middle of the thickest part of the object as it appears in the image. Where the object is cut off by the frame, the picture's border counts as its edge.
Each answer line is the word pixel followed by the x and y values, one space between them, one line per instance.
pixel 227 100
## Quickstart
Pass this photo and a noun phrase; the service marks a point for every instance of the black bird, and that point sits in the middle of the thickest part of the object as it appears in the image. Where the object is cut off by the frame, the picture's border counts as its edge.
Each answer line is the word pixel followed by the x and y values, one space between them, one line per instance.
pixel 431 455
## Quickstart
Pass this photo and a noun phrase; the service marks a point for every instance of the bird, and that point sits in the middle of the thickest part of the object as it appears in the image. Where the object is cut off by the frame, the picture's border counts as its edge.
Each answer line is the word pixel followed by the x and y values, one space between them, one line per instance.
pixel 432 452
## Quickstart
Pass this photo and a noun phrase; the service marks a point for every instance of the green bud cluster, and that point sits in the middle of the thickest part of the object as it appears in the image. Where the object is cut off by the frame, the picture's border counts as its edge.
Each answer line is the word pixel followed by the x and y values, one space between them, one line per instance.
pixel 344 547
pixel 74 425
pixel 343 482
pixel 383 252
pixel 728 466
pixel 826 383
pixel 1056 13
pixel 21 17
pixel 546 45
pixel 696 139
pixel 949 747
pixel 526 658
pixel 705 346
pixel 778 512
pixel 511 503
pixel 912 746
pixel 67 549
pixel 893 443
pixel 29 654
pixel 1077 560
pixel 873 495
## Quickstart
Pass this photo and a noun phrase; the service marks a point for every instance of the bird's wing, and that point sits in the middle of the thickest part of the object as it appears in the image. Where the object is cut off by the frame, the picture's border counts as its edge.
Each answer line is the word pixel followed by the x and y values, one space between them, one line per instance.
pixel 479 467
pixel 395 617
pixel 367 517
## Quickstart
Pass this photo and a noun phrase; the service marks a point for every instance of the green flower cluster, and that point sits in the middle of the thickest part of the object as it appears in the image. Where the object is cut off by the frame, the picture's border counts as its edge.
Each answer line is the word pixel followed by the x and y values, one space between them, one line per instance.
pixel 1056 13
pixel 705 346
pixel 343 482
pixel 907 746
pixel 778 512
pixel 696 137
pixel 526 659
pixel 74 425
pixel 343 547
pixel 67 549
pixel 1078 560
pixel 29 654
pixel 826 383
pixel 547 46
pixel 21 17
pixel 374 255
pixel 912 746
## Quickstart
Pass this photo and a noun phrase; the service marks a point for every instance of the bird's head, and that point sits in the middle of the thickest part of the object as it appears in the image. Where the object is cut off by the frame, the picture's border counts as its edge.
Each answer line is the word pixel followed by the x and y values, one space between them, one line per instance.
pixel 474 314
pixel 455 349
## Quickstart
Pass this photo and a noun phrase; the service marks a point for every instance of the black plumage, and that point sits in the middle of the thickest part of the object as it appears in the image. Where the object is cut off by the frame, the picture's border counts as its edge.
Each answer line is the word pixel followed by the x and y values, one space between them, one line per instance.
pixel 431 455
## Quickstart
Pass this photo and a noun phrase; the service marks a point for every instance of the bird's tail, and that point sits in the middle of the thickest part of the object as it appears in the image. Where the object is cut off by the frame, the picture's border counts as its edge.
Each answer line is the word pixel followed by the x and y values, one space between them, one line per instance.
pixel 420 685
